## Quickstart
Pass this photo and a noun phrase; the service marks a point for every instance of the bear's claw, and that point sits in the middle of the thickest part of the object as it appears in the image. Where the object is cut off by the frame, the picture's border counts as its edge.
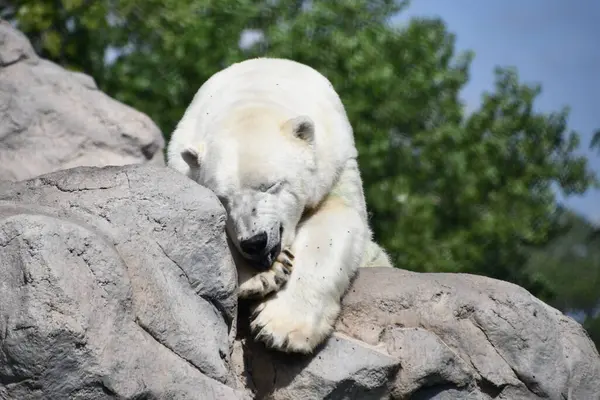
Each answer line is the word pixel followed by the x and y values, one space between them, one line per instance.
pixel 286 258
pixel 269 281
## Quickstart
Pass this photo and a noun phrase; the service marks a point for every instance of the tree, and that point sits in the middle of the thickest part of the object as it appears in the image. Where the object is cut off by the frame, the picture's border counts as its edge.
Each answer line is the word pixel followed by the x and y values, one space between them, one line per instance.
pixel 447 191
pixel 569 266
pixel 592 325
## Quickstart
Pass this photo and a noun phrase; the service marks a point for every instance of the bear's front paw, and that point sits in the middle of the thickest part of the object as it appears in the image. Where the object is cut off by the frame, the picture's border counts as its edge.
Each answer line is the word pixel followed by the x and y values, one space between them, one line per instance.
pixel 286 324
pixel 269 281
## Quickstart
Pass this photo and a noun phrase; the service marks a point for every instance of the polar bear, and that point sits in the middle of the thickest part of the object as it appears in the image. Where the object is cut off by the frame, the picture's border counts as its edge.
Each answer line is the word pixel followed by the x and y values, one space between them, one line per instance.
pixel 271 138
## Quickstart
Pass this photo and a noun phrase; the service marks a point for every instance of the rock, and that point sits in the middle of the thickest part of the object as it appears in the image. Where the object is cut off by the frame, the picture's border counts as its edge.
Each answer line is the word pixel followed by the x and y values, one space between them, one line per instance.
pixel 343 369
pixel 436 336
pixel 115 282
pixel 14 46
pixel 52 119
pixel 118 282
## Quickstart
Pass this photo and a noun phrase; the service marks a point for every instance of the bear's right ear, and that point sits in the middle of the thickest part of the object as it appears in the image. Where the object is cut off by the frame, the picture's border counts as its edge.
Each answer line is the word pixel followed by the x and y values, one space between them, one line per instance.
pixel 301 127
pixel 191 156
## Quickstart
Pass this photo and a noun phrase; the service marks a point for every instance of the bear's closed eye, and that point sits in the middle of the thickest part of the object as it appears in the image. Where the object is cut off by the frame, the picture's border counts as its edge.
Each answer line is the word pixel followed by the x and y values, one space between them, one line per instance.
pixel 270 187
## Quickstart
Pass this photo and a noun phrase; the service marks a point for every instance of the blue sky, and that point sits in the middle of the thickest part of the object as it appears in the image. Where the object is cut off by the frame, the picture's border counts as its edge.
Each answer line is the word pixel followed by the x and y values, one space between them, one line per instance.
pixel 552 42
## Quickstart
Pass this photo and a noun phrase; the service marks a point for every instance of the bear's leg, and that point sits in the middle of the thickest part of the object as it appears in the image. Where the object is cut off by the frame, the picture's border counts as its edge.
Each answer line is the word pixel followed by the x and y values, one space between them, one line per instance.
pixel 328 248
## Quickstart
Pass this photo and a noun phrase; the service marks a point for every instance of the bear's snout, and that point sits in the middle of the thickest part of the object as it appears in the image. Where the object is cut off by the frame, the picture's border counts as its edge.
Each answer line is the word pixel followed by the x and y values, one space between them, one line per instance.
pixel 256 245
pixel 255 249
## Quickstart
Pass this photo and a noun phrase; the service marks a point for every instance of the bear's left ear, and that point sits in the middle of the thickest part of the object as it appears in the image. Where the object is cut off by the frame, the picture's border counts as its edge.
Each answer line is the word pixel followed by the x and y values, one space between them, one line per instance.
pixel 301 127
pixel 191 156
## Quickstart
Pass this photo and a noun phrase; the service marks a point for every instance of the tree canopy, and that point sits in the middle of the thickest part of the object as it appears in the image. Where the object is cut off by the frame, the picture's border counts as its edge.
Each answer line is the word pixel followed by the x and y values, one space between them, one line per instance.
pixel 448 189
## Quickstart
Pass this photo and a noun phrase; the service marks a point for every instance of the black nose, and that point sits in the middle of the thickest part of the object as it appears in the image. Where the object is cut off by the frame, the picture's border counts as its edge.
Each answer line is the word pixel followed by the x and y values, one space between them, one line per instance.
pixel 256 245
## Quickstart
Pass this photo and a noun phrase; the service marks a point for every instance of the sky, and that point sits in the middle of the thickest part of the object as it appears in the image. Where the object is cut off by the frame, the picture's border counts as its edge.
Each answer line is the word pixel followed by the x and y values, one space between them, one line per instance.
pixel 552 42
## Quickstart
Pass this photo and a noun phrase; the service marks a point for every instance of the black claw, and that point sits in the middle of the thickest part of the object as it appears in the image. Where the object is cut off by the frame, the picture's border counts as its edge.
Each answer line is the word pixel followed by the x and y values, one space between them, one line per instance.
pixel 288 253
pixel 287 263
pixel 269 341
pixel 257 329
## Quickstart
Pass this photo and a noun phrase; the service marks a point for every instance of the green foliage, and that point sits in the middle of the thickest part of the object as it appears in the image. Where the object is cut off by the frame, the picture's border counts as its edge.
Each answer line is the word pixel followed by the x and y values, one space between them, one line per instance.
pixel 573 257
pixel 448 191
pixel 569 267
pixel 592 325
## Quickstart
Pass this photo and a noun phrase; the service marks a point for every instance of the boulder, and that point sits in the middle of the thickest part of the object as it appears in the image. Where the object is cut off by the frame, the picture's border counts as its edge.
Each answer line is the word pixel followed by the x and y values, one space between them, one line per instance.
pixel 115 282
pixel 53 119
pixel 407 335
pixel 118 283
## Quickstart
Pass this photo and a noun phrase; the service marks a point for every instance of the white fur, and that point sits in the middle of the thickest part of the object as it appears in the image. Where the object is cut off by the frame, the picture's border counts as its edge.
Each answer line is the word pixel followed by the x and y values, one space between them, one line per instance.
pixel 266 121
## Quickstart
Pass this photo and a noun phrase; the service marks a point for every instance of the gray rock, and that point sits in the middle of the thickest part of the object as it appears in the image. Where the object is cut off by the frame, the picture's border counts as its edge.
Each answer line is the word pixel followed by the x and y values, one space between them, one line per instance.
pixel 115 282
pixel 14 46
pixel 437 336
pixel 53 119
pixel 118 283
pixel 343 369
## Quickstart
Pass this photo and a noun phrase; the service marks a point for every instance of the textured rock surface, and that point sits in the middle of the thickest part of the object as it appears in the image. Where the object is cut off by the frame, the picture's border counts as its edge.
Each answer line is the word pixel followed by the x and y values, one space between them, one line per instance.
pixel 407 335
pixel 52 119
pixel 115 282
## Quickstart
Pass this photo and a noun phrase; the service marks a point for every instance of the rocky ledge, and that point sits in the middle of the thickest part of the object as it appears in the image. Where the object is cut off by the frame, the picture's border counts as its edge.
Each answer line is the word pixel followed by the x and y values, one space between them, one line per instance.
pixel 117 283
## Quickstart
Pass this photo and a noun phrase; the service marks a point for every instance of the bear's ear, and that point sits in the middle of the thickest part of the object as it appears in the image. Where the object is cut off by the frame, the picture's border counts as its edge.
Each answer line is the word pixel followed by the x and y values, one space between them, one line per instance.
pixel 191 156
pixel 301 127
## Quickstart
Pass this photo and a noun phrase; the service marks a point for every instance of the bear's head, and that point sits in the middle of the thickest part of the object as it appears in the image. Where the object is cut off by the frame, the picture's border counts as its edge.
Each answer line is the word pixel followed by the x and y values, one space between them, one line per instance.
pixel 264 172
